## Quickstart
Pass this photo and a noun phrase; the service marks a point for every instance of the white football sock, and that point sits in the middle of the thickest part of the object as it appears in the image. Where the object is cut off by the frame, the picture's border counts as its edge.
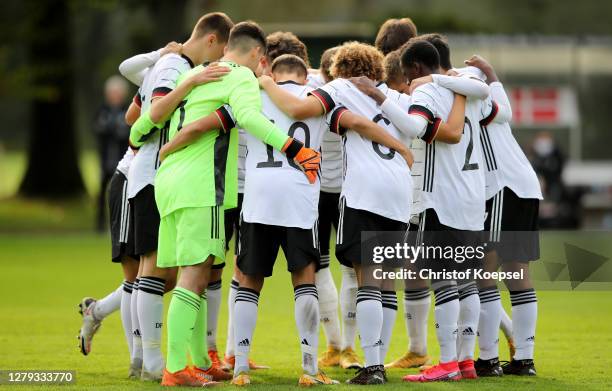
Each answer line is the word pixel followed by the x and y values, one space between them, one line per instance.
pixel 506 322
pixel 150 316
pixel 369 322
pixel 136 337
pixel 416 315
pixel 245 318
pixel 231 301
pixel 126 314
pixel 108 304
pixel 348 306
pixel 469 313
pixel 307 320
pixel 524 317
pixel 447 317
pixel 213 293
pixel 389 307
pixel 328 306
pixel 488 324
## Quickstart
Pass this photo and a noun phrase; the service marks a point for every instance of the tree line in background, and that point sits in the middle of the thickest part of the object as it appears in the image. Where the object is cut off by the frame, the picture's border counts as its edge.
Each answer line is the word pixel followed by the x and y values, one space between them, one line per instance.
pixel 55 54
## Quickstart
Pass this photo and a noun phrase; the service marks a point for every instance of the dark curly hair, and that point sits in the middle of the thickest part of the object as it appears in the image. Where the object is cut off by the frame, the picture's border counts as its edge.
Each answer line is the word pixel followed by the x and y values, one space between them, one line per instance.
pixel 355 59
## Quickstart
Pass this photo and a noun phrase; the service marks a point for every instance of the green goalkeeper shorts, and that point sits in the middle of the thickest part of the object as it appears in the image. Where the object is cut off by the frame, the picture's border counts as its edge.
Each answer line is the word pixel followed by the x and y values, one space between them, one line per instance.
pixel 188 236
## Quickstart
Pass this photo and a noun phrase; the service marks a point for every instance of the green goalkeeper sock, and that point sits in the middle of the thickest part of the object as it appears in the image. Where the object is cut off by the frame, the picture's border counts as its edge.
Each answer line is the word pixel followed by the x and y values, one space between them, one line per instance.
pixel 199 346
pixel 182 314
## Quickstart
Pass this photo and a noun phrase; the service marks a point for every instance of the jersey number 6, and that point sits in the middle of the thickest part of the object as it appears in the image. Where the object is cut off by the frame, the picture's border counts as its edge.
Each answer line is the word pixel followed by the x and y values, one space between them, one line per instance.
pixel 389 155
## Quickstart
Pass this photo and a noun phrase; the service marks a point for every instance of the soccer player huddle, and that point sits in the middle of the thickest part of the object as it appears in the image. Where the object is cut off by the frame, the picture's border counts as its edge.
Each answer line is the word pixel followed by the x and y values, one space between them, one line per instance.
pixel 234 135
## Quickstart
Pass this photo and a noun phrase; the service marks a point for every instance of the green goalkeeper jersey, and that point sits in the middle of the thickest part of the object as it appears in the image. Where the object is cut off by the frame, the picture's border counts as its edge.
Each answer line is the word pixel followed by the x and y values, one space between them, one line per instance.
pixel 205 172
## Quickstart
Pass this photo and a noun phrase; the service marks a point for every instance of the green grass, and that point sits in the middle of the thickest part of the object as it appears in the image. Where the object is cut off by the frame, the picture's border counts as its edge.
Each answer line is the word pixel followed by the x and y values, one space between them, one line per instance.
pixel 39 215
pixel 46 275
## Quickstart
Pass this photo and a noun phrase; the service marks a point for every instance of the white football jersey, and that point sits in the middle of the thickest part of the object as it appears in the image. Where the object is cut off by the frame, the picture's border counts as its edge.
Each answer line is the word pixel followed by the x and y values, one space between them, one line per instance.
pixel 331 163
pixel 276 191
pixel 124 164
pixel 331 150
pixel 158 81
pixel 315 80
pixel 452 181
pixel 505 162
pixel 375 178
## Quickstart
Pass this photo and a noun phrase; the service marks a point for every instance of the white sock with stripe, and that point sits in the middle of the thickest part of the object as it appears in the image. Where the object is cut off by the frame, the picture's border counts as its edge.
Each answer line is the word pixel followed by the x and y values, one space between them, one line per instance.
pixel 231 302
pixel 307 321
pixel 389 308
pixel 348 306
pixel 416 314
pixel 213 293
pixel 488 324
pixel 328 305
pixel 369 322
pixel 126 313
pixel 469 312
pixel 447 317
pixel 150 316
pixel 245 318
pixel 524 318
pixel 136 337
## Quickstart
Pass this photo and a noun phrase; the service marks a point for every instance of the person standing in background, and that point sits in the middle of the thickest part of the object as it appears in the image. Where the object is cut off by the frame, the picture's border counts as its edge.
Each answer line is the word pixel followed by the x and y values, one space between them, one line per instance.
pixel 112 134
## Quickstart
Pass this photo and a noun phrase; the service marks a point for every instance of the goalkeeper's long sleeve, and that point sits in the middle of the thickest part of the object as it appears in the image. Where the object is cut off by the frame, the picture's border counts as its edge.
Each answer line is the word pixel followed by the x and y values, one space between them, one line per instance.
pixel 142 129
pixel 245 101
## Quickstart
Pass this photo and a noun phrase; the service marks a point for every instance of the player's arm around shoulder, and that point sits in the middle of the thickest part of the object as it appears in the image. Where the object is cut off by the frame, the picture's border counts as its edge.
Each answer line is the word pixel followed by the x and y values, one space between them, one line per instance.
pixel 423 105
pixel 498 105
pixel 295 107
pixel 370 130
pixel 163 107
pixel 219 119
pixel 245 101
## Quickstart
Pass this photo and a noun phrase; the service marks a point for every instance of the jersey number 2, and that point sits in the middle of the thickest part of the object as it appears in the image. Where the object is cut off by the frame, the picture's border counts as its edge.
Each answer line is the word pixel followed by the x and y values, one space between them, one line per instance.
pixel 467 166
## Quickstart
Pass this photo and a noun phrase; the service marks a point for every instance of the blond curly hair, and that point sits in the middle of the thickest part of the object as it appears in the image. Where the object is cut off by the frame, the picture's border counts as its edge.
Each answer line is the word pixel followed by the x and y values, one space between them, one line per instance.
pixel 354 59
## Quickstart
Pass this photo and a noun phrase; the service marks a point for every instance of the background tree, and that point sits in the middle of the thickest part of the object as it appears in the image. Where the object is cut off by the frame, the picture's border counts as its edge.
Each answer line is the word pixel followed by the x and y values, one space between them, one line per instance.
pixel 52 168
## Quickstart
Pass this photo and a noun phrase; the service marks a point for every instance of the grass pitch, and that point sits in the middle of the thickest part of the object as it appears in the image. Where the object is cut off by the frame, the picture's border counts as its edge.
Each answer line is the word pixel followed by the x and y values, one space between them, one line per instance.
pixel 45 276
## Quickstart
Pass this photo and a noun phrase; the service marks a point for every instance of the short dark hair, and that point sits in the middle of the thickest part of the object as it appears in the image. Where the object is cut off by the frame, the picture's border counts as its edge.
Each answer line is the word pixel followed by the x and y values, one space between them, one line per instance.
pixel 393 33
pixel 290 63
pixel 327 59
pixel 282 42
pixel 246 35
pixel 420 51
pixel 214 22
pixel 441 44
pixel 393 67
